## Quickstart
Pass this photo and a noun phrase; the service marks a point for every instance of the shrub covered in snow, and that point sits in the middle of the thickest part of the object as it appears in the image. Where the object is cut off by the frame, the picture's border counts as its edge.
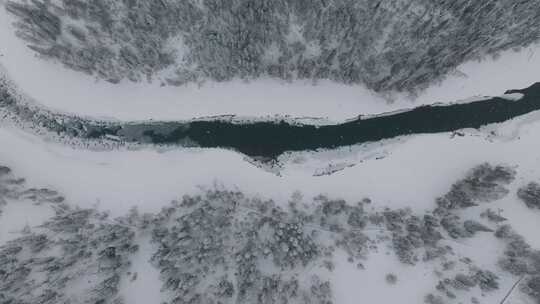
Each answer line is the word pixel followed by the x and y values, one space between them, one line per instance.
pixel 519 257
pixel 484 183
pixel 412 235
pixel 433 299
pixel 531 287
pixel 391 278
pixel 493 216
pixel 15 188
pixel 530 194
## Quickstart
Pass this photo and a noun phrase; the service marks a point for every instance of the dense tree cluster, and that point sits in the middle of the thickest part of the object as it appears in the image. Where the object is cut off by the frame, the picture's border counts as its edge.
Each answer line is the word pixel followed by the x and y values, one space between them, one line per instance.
pixel 268 250
pixel 386 45
pixel 485 280
pixel 483 183
pixel 532 287
pixel 519 257
pixel 414 235
pixel 76 257
pixel 4 187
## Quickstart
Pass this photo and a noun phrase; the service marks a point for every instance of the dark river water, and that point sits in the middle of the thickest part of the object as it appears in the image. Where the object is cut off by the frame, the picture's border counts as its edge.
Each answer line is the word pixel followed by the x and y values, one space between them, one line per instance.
pixel 270 139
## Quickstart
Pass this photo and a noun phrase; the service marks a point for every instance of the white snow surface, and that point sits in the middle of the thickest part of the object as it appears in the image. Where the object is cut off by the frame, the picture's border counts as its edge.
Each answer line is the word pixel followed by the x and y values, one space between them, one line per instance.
pixel 409 171
pixel 16 215
pixel 64 90
pixel 146 288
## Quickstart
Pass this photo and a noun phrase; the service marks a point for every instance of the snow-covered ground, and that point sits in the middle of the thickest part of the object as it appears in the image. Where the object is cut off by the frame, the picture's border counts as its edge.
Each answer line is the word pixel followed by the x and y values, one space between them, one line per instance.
pixel 64 90
pixel 405 172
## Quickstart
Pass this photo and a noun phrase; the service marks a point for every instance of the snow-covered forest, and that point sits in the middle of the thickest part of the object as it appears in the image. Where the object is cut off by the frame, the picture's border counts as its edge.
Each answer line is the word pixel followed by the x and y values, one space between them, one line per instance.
pixel 222 246
pixel 386 45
